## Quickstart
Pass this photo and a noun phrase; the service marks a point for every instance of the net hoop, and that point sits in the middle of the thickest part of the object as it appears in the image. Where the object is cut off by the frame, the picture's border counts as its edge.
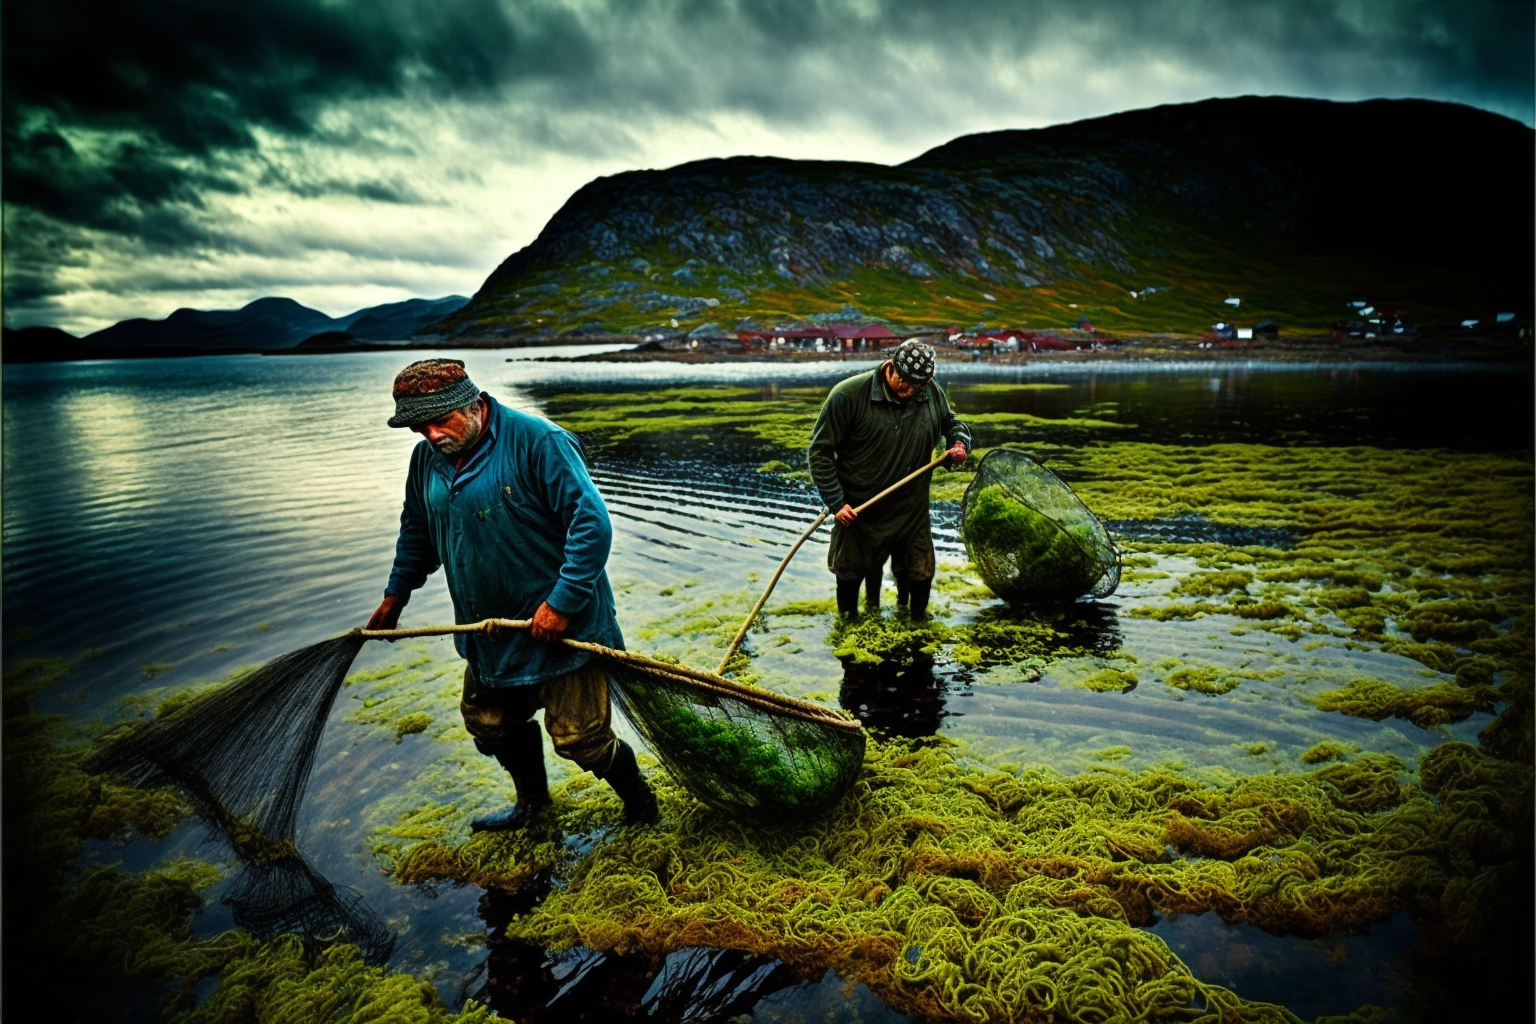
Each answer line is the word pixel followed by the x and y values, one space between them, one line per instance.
pixel 1008 463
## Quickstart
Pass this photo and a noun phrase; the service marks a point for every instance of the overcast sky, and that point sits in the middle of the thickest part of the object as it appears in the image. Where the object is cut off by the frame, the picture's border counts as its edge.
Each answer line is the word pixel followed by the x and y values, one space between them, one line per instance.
pixel 168 153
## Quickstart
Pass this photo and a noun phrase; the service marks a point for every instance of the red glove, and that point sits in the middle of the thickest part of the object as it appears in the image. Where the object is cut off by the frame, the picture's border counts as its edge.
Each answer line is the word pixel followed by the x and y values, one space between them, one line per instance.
pixel 548 624
pixel 387 614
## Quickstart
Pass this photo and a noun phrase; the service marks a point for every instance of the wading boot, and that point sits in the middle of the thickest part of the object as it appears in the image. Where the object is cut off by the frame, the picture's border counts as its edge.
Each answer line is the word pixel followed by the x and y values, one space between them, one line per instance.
pixel 623 774
pixel 903 591
pixel 872 591
pixel 848 598
pixel 522 755
pixel 917 600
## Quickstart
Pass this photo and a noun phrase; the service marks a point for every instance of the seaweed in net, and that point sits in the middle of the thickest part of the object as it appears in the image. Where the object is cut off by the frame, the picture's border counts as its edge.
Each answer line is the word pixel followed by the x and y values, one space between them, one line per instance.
pixel 740 749
pixel 1030 537
pixel 243 753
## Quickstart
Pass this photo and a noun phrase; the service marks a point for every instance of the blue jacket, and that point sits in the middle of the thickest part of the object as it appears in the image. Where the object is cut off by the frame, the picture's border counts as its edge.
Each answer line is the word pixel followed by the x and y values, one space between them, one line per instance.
pixel 521 523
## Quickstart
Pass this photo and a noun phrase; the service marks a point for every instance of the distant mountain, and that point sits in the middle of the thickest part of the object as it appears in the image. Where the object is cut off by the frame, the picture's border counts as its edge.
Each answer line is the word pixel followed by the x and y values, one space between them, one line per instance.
pixel 1150 219
pixel 264 325
pixel 397 321
pixel 42 345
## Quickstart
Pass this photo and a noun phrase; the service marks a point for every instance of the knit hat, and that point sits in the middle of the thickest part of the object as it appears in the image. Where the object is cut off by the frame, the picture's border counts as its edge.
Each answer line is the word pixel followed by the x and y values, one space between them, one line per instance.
pixel 914 362
pixel 431 388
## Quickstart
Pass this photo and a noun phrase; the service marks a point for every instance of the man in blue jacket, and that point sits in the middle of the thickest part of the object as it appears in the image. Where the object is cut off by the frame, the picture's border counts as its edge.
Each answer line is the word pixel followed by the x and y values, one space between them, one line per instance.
pixel 502 502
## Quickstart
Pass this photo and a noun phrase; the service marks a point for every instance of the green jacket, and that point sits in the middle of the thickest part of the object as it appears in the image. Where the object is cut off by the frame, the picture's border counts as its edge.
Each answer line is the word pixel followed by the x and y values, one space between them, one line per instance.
pixel 865 440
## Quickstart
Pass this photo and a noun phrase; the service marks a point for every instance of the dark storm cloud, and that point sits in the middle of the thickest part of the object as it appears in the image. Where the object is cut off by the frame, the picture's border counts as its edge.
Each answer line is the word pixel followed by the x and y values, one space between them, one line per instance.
pixel 186 78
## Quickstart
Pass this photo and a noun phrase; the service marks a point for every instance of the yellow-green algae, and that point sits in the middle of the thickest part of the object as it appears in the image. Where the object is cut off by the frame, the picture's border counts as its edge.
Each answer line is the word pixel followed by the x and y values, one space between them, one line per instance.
pixel 783 417
pixel 960 891
pixel 1203 679
pixel 408 725
pixel 895 638
pixel 1021 553
pixel 1328 750
pixel 278 982
pixel 1109 680
pixel 1424 706
pixel 1427 554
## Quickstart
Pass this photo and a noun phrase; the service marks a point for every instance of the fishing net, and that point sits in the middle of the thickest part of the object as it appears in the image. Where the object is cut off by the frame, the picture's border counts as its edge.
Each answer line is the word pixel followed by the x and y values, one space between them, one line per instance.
pixel 743 750
pixel 1030 537
pixel 242 753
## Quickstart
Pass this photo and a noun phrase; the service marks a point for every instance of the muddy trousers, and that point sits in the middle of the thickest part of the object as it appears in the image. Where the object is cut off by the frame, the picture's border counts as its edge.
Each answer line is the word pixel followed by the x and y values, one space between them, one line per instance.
pixel 578 718
pixel 858 553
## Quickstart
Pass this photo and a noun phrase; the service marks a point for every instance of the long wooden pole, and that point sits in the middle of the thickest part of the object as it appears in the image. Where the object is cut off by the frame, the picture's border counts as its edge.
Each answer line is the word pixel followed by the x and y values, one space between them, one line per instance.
pixel 741 633
pixel 483 626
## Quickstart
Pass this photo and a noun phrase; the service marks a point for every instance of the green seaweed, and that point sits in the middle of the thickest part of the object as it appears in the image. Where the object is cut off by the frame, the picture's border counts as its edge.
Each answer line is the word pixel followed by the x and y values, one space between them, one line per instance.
pixel 415 722
pixel 1425 706
pixel 961 891
pixel 1328 750
pixel 279 981
pixel 1203 679
pixel 1022 554
pixel 1212 584
pixel 115 931
pixel 1108 680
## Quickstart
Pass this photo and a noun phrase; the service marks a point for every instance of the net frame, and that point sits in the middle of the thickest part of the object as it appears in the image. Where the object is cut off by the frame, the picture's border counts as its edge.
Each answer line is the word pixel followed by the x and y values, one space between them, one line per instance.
pixel 1050 499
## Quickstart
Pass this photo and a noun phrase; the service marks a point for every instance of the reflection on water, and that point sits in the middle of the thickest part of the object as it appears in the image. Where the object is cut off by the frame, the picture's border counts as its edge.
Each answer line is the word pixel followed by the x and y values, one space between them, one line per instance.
pixel 694 985
pixel 894 699
pixel 1310 977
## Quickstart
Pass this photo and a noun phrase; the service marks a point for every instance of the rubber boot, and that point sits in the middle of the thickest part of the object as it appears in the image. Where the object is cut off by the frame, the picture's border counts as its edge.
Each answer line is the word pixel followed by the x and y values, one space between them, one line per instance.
pixel 522 755
pixel 623 774
pixel 848 598
pixel 872 584
pixel 903 591
pixel 917 601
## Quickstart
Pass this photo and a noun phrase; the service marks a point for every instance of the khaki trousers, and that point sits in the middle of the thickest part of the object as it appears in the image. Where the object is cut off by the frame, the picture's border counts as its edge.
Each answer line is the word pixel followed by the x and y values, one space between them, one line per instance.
pixel 577 714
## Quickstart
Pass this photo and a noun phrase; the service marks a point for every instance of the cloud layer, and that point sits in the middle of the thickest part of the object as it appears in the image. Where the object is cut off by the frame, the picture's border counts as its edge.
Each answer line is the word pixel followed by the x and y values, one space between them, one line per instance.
pixel 160 153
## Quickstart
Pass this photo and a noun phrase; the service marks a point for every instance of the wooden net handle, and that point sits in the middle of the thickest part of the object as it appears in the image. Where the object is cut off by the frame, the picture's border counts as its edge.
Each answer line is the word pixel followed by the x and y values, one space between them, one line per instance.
pixel 766 699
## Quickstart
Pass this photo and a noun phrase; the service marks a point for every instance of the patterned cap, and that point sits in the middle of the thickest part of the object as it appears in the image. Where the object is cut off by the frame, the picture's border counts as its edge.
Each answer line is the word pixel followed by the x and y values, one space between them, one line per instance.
pixel 431 388
pixel 914 362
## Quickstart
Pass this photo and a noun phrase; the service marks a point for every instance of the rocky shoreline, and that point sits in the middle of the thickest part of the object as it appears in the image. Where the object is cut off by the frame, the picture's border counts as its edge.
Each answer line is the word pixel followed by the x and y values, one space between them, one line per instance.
pixel 1159 348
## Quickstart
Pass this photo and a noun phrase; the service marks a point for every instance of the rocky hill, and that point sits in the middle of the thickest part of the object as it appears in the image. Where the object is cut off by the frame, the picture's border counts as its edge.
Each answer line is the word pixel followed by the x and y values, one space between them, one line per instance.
pixel 1147 220
pixel 264 325
pixel 271 323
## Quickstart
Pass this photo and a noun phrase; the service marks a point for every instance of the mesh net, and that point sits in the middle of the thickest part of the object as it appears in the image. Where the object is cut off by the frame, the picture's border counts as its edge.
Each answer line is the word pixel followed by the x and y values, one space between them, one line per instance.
pixel 1030 537
pixel 742 750
pixel 242 753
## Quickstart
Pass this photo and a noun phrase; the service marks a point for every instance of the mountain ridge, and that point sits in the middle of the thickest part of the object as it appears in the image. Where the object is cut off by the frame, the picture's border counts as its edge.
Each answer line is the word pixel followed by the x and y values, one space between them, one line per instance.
pixel 272 323
pixel 1144 220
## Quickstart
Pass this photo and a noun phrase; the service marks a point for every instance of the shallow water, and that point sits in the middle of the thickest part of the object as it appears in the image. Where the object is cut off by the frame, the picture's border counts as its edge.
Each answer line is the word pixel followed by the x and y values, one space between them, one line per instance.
pixel 186 518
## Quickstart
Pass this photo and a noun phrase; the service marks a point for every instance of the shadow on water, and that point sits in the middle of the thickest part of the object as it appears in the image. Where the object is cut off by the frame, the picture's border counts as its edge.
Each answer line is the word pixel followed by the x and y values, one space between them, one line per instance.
pixel 695 985
pixel 895 700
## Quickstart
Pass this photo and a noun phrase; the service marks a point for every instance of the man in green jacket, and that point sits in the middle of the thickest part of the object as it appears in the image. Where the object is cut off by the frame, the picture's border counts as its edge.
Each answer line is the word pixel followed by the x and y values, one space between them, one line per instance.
pixel 875 428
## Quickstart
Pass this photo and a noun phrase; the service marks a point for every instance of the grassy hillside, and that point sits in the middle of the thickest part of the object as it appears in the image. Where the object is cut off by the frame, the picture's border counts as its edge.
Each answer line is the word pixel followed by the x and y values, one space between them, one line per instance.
pixel 1144 221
